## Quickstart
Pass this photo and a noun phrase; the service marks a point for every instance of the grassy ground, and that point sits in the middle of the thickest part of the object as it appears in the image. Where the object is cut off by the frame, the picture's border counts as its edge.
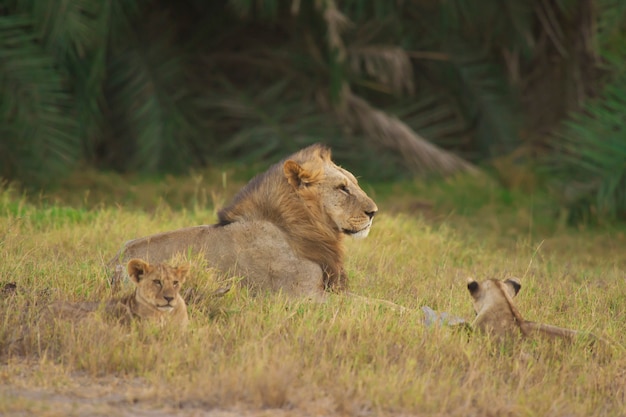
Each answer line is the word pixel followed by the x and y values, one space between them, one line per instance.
pixel 268 355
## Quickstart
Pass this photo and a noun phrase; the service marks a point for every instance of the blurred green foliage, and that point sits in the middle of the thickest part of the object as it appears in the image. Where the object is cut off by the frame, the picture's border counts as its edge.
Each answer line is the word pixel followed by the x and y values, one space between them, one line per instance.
pixel 160 86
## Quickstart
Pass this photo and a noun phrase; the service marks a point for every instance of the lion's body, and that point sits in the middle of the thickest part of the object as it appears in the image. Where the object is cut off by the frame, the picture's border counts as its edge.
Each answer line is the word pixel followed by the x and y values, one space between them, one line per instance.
pixel 283 231
pixel 156 298
pixel 497 315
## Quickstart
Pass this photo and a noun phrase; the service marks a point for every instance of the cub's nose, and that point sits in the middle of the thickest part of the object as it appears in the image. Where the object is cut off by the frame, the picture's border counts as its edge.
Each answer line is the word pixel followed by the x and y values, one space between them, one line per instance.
pixel 168 299
pixel 371 214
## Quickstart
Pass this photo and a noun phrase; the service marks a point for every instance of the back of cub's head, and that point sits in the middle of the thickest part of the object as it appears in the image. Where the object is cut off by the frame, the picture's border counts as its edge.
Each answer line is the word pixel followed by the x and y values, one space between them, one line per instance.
pixel 158 285
pixel 489 291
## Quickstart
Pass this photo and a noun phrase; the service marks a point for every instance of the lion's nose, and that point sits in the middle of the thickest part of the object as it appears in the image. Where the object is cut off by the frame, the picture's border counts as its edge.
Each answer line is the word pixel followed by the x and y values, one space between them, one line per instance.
pixel 168 299
pixel 371 214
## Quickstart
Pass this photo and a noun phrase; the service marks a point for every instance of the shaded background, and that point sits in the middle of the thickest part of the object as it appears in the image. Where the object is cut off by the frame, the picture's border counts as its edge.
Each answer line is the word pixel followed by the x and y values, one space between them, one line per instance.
pixel 397 88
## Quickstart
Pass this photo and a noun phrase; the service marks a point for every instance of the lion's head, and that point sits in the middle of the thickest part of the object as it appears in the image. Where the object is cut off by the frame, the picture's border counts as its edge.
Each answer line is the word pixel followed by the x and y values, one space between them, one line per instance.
pixel 331 192
pixel 157 288
pixel 314 201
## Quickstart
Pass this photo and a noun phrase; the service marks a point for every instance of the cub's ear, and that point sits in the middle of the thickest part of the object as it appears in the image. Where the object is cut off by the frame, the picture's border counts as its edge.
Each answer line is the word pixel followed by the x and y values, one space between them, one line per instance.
pixel 137 268
pixel 472 285
pixel 514 284
pixel 296 175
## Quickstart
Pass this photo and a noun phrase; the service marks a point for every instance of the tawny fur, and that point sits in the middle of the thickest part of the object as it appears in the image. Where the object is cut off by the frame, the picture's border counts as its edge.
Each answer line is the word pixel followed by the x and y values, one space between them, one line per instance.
pixel 283 231
pixel 497 314
pixel 156 298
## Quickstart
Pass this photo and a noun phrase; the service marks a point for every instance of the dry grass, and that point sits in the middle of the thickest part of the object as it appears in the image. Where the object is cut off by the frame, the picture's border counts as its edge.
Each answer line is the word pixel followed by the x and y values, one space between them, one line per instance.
pixel 273 356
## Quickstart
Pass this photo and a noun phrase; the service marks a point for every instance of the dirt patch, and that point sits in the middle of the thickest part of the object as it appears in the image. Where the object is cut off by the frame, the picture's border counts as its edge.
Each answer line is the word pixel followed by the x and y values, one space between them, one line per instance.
pixel 29 388
pixel 47 403
pixel 109 396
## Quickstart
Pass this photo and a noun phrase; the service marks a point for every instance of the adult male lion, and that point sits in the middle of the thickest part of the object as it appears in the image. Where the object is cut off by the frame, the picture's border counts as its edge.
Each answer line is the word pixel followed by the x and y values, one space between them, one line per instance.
pixel 283 230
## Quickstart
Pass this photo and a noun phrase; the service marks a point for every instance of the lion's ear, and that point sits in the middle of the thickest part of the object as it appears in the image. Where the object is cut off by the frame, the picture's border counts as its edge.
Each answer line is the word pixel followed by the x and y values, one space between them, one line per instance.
pixel 514 286
pixel 296 175
pixel 324 153
pixel 472 285
pixel 182 271
pixel 137 268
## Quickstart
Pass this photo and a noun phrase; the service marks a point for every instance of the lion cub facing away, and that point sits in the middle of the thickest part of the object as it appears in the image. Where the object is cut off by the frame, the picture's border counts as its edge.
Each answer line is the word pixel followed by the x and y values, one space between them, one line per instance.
pixel 156 297
pixel 497 315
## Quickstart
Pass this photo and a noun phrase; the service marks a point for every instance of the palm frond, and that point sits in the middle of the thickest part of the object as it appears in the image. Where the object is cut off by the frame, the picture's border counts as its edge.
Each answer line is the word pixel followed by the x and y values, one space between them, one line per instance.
pixel 70 28
pixel 437 116
pixel 75 33
pixel 38 125
pixel 420 155
pixel 336 24
pixel 389 66
pixel 485 98
pixel 493 24
pixel 588 163
pixel 609 35
pixel 149 103
pixel 266 122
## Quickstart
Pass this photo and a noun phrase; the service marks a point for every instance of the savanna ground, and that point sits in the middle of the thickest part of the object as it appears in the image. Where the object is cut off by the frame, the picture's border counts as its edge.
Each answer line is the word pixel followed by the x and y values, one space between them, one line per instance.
pixel 268 355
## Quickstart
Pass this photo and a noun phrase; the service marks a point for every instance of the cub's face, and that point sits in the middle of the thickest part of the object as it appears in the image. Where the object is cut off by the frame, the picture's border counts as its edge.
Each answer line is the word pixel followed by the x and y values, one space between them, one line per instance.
pixel 158 285
pixel 334 191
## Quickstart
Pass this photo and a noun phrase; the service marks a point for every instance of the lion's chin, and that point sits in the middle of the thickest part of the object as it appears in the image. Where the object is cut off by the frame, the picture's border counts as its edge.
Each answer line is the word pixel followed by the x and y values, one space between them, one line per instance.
pixel 167 309
pixel 360 234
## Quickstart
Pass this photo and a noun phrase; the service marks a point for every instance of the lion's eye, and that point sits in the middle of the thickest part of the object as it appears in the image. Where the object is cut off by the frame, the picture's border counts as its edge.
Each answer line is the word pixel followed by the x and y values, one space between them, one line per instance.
pixel 158 282
pixel 344 189
pixel 175 283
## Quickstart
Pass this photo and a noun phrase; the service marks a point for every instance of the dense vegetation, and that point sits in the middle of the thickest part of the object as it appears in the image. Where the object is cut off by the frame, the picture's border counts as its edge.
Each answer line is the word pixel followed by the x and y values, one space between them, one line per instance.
pixel 418 86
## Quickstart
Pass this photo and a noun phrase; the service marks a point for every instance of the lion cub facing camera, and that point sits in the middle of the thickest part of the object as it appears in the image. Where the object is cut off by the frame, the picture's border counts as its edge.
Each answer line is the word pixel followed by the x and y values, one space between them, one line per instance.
pixel 156 297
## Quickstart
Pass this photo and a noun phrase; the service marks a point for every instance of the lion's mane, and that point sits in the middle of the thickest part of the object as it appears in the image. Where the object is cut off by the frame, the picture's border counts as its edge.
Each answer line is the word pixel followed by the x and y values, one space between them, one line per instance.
pixel 268 197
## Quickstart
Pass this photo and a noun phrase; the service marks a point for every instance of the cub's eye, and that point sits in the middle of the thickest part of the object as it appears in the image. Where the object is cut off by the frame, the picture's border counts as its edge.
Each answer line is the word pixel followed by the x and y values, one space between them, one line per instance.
pixel 175 283
pixel 344 189
pixel 157 282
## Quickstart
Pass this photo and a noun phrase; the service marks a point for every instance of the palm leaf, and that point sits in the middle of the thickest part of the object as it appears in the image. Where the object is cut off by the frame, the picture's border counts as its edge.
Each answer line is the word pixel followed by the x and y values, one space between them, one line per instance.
pixel 38 128
pixel 389 66
pixel 420 155
pixel 149 103
pixel 265 122
pixel 590 151
pixel 484 96
pixel 76 34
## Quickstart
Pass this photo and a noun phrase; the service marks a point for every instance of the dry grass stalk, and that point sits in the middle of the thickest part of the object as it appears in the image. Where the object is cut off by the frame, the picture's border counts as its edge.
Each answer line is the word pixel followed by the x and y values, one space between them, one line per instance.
pixel 497 315
pixel 270 355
